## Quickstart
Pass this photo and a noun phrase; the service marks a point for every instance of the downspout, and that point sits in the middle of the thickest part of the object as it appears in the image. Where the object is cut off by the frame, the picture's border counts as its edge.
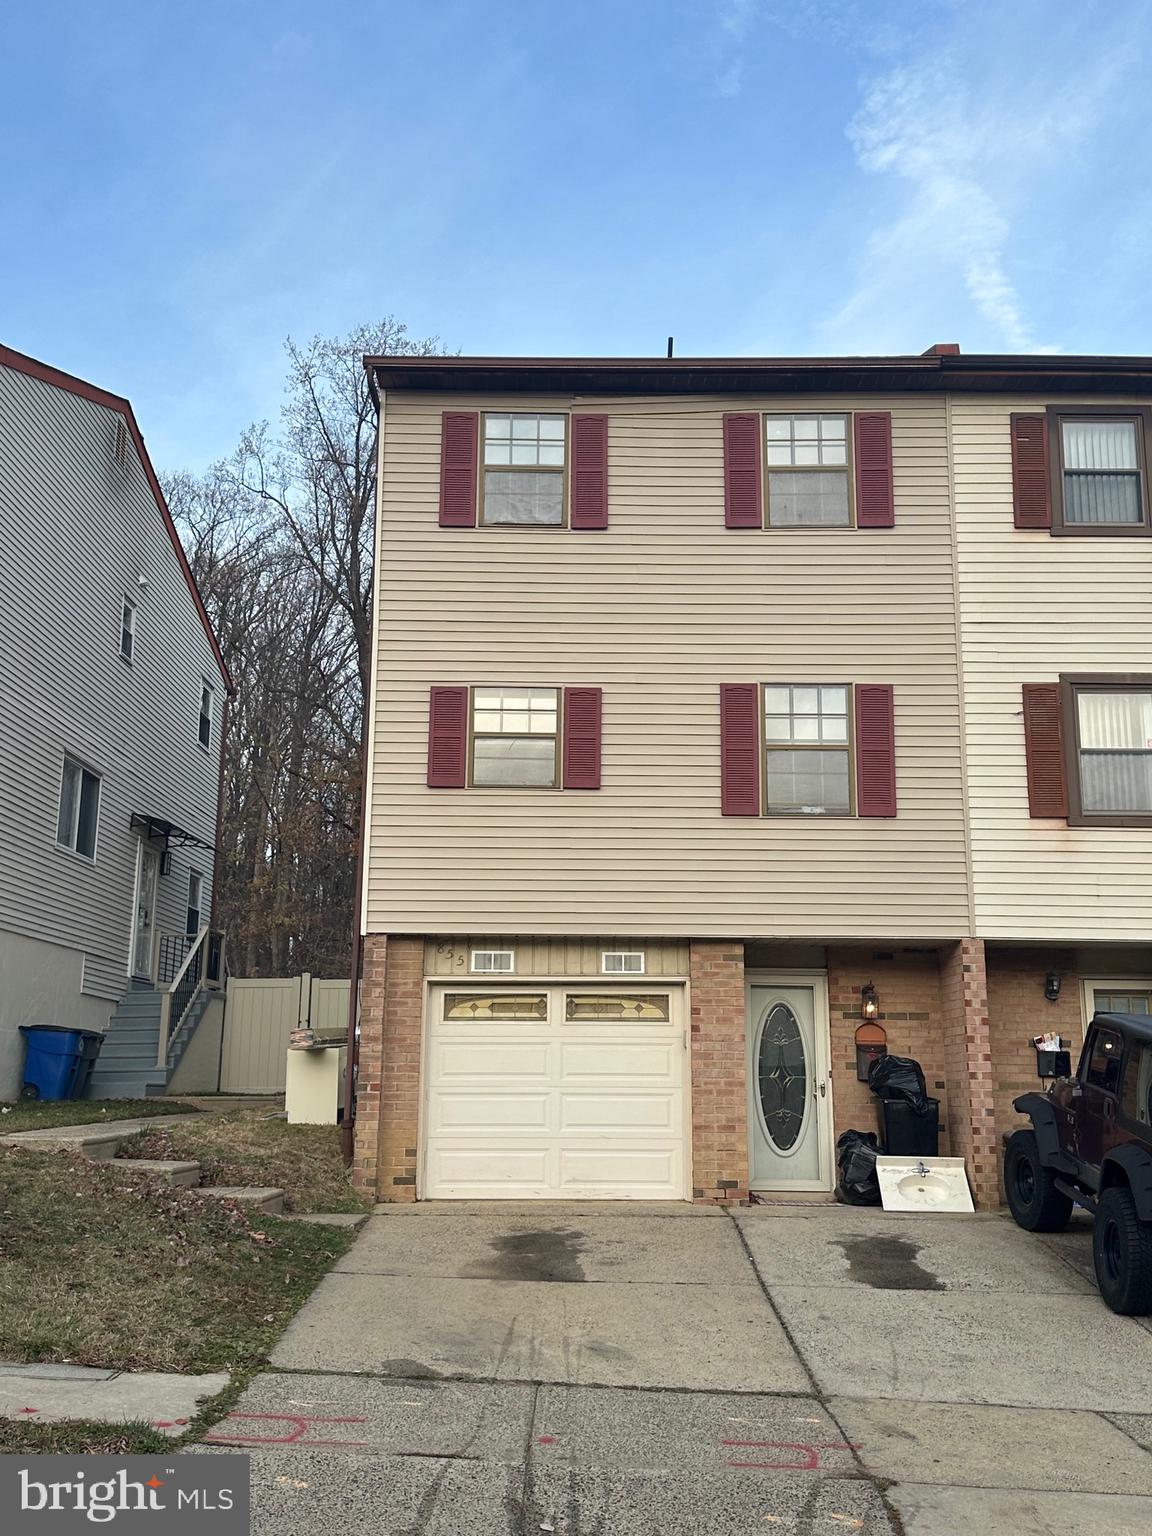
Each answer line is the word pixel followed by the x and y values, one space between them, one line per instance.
pixel 359 915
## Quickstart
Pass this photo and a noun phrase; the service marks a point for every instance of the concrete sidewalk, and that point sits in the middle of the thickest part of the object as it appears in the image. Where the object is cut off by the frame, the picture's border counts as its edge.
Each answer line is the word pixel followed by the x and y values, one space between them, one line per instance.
pixel 660 1370
pixel 46 1394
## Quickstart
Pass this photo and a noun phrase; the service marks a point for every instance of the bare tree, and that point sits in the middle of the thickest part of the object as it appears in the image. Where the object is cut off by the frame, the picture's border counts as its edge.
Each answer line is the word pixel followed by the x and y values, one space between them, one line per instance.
pixel 280 538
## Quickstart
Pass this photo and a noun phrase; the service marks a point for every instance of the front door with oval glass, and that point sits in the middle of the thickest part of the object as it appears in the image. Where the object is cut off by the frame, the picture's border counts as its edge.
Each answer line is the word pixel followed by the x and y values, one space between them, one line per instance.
pixel 790 1106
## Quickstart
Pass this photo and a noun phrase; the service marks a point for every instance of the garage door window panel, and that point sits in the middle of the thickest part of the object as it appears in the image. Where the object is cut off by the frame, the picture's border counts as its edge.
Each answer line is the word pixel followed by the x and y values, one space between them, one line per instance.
pixel 632 1007
pixel 470 1007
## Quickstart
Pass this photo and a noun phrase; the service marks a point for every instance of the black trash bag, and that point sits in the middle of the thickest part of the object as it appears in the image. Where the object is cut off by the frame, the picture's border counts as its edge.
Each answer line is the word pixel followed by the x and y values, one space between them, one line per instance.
pixel 900 1078
pixel 856 1159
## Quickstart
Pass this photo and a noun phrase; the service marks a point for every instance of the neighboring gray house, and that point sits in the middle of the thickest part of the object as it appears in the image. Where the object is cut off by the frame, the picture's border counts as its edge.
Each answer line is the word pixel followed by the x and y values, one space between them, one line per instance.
pixel 113 698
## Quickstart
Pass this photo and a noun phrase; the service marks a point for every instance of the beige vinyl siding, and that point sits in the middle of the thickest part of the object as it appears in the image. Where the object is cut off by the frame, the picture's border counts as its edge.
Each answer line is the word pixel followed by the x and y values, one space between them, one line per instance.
pixel 659 610
pixel 553 957
pixel 1033 606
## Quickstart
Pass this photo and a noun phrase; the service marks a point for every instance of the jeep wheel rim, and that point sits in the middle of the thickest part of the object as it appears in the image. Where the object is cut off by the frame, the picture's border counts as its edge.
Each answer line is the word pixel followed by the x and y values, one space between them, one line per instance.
pixel 1025 1182
pixel 1110 1250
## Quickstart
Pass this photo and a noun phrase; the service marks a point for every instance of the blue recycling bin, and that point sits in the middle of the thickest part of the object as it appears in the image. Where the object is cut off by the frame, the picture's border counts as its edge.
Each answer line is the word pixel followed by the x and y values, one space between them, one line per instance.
pixel 59 1060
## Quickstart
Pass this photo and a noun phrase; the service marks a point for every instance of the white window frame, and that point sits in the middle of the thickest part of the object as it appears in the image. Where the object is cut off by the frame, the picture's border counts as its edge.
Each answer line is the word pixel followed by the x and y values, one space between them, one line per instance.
pixel 1091 985
pixel 207 692
pixel 72 847
pixel 492 968
pixel 128 613
pixel 198 905
pixel 848 468
pixel 624 956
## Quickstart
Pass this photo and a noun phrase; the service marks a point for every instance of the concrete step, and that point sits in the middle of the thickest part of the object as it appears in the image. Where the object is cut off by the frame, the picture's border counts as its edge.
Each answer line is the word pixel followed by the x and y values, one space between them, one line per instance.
pixel 182 1175
pixel 269 1201
pixel 127 1085
pixel 133 1053
pixel 98 1141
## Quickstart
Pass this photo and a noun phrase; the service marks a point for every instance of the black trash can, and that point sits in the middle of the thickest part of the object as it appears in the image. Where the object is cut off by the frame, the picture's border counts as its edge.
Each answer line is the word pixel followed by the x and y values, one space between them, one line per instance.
pixel 907 1134
pixel 89 1050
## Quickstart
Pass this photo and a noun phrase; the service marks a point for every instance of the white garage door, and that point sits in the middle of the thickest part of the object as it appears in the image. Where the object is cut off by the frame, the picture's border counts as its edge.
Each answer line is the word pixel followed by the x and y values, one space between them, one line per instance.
pixel 554 1093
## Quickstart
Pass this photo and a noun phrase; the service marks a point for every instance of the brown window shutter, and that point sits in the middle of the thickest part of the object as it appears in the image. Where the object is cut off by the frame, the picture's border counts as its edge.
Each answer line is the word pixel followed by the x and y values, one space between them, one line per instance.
pixel 582 738
pixel 875 506
pixel 1031 495
pixel 459 439
pixel 875 750
pixel 448 738
pixel 1044 750
pixel 743 504
pixel 589 472
pixel 739 749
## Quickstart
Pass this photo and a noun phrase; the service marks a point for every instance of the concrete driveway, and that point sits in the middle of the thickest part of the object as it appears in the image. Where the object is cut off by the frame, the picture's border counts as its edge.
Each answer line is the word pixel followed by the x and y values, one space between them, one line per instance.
pixel 591 1370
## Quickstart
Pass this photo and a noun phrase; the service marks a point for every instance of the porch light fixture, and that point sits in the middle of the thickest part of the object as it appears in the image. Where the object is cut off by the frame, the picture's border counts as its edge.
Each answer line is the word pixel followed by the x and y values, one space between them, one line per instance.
pixel 869 1003
pixel 1052 986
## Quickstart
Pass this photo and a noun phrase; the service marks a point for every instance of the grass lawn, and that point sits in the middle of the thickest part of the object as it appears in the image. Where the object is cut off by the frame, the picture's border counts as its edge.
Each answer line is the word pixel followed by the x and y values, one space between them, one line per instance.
pixel 104 1267
pixel 248 1146
pixel 32 1115
pixel 71 1437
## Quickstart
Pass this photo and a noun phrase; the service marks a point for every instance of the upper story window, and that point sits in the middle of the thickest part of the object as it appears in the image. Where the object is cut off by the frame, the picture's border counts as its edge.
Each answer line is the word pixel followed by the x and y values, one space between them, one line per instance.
pixel 128 630
pixel 207 704
pixel 1111 751
pixel 1099 485
pixel 515 737
pixel 808 755
pixel 808 472
pixel 524 469
pixel 79 810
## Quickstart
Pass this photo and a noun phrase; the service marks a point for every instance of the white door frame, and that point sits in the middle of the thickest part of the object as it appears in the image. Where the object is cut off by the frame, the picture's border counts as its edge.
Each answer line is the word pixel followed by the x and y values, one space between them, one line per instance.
pixel 1111 984
pixel 142 848
pixel 821 1029
pixel 679 1005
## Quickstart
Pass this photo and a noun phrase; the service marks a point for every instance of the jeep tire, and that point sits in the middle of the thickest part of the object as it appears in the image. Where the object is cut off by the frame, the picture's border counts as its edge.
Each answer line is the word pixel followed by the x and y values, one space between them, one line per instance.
pixel 1122 1253
pixel 1035 1202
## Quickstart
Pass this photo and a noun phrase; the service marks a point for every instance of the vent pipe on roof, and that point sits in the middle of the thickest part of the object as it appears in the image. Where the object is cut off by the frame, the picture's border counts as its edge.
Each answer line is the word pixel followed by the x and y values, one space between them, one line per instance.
pixel 671 339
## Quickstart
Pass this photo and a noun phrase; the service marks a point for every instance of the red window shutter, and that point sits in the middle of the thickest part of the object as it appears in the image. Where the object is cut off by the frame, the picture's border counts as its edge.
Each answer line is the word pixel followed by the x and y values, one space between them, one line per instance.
pixel 875 750
pixel 1031 496
pixel 448 738
pixel 582 738
pixel 1044 750
pixel 743 504
pixel 739 749
pixel 459 437
pixel 589 472
pixel 875 506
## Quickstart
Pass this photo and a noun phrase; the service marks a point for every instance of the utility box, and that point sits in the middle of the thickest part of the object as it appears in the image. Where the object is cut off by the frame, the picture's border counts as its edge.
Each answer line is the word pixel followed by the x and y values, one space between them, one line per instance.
pixel 314 1086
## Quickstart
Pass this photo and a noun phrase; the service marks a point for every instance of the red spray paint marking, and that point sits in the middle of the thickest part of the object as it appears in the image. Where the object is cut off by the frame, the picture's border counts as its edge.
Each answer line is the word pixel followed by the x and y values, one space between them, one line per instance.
pixel 807 1456
pixel 29 1410
pixel 302 1422
pixel 545 1439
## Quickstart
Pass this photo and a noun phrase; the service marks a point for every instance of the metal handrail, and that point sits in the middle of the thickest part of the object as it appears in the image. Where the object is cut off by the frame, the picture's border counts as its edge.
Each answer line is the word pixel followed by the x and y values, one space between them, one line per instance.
pixel 177 999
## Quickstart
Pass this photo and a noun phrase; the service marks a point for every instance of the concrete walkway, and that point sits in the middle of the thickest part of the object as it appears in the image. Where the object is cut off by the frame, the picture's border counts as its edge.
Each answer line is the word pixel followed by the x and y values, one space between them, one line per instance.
pixel 44 1394
pixel 594 1370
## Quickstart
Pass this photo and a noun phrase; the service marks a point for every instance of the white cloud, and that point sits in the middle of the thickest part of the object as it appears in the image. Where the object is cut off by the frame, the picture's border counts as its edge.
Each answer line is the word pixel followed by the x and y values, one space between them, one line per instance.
pixel 963 145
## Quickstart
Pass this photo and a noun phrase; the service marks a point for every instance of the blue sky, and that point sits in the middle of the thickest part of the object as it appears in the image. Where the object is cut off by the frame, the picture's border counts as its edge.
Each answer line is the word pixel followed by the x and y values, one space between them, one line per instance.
pixel 185 184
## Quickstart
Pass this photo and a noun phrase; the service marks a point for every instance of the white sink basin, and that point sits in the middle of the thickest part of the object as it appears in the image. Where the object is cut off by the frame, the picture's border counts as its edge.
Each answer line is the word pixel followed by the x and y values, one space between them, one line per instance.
pixel 923 1183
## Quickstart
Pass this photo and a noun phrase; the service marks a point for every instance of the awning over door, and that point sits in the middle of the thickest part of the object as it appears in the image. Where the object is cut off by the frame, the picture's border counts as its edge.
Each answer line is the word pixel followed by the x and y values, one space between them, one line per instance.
pixel 159 829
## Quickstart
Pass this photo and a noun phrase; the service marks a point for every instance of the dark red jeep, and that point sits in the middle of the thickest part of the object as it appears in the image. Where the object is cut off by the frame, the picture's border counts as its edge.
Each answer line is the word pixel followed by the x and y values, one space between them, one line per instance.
pixel 1091 1145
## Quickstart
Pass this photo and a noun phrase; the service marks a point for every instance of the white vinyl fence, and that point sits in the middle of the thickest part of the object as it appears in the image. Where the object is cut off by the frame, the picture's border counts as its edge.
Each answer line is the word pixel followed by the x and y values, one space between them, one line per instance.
pixel 259 1016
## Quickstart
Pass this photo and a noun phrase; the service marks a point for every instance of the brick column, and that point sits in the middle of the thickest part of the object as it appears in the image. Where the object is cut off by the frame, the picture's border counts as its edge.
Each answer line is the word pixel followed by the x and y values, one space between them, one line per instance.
pixel 968 1059
pixel 717 1063
pixel 388 1083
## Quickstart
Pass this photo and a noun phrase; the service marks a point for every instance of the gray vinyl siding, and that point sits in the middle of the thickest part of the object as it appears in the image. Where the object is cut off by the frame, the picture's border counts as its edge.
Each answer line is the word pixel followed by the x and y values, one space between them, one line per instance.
pixel 77 531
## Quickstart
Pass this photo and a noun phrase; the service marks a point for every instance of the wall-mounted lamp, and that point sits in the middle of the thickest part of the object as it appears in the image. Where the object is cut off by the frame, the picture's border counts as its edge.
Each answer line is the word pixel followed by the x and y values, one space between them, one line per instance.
pixel 869 1003
pixel 1052 986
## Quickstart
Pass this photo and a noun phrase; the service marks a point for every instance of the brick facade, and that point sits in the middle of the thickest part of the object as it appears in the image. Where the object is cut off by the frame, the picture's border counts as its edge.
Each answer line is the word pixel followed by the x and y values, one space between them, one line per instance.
pixel 908 988
pixel 388 1084
pixel 717 1063
pixel 968 1059
pixel 1017 1010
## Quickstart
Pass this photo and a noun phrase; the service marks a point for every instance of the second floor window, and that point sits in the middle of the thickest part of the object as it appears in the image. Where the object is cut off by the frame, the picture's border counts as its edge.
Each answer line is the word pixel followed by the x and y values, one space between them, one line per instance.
pixel 205 725
pixel 79 809
pixel 515 736
pixel 524 469
pixel 808 472
pixel 1113 750
pixel 808 767
pixel 128 630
